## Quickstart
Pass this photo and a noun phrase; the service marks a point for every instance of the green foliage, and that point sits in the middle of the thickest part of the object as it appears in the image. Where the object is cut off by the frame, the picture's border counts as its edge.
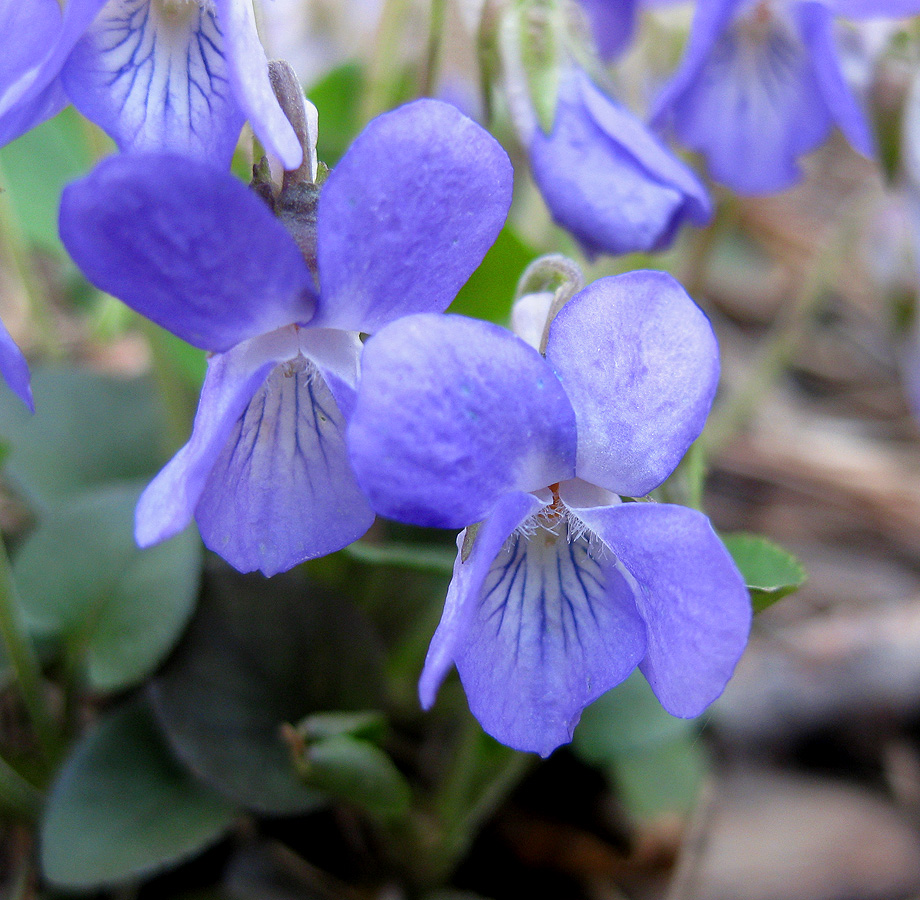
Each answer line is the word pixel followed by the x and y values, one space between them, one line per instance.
pixel 653 757
pixel 489 292
pixel 769 571
pixel 259 654
pixel 88 429
pixel 84 582
pixel 122 807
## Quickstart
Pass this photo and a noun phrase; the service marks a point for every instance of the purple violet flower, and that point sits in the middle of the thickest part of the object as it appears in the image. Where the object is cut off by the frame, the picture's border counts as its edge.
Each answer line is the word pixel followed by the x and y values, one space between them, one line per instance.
pixel 180 75
pixel 402 222
pixel 562 589
pixel 613 23
pixel 605 177
pixel 15 369
pixel 762 83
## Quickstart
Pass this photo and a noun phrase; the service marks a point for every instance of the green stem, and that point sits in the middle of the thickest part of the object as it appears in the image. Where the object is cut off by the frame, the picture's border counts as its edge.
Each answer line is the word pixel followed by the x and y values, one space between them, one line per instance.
pixel 404 556
pixel 23 659
pixel 433 55
pixel 378 96
pixel 18 796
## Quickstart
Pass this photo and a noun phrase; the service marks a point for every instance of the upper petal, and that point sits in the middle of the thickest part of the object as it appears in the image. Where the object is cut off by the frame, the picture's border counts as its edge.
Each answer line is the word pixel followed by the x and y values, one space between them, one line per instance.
pixel 407 215
pixel 15 369
pixel 188 246
pixel 640 365
pixel 612 23
pixel 156 78
pixel 607 179
pixel 555 626
pixel 688 590
pixel 452 413
pixel 281 491
pixel 252 87
pixel 875 9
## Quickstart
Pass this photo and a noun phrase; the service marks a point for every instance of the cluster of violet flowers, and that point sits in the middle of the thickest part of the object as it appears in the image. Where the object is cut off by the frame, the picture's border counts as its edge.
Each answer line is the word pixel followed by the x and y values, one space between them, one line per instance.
pixel 540 444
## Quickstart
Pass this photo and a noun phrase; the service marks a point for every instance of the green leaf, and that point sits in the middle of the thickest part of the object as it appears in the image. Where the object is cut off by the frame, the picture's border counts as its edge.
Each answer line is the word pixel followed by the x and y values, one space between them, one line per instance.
pixel 83 580
pixel 87 429
pixel 35 168
pixel 259 654
pixel 368 726
pixel 337 97
pixel 122 807
pixel 661 780
pixel 356 772
pixel 489 292
pixel 769 571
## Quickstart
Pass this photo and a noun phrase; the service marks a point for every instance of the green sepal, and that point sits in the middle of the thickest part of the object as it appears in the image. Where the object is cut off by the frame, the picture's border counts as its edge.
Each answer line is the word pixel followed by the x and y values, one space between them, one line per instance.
pixel 538 27
pixel 368 726
pixel 769 571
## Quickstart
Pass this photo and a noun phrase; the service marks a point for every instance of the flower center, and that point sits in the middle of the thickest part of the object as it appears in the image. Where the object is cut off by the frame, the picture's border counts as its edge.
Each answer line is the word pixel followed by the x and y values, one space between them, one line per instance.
pixel 176 12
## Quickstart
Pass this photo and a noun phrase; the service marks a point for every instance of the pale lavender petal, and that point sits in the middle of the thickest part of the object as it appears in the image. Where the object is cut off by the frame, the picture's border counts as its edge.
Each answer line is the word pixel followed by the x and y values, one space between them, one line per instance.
pixel 25 116
pixel 282 490
pixel 612 23
pixel 476 551
pixel 168 503
pixel 607 179
pixel 689 592
pixel 15 369
pixel 453 413
pixel 640 365
pixel 251 85
pixel 817 26
pixel 875 9
pixel 555 627
pixel 155 77
pixel 407 215
pixel 188 246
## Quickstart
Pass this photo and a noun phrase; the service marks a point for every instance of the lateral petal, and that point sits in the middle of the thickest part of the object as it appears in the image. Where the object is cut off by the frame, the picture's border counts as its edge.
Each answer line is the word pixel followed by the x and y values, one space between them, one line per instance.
pixel 407 215
pixel 640 365
pixel 452 414
pixel 188 246
pixel 156 78
pixel 688 591
pixel 15 369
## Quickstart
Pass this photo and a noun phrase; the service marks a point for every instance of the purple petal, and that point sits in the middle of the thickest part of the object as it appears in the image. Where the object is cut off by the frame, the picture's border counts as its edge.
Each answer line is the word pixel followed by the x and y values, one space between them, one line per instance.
pixel 689 592
pixel 251 85
pixel 875 9
pixel 754 103
pixel 452 413
pixel 640 365
pixel 282 490
pixel 612 23
pixel 168 503
pixel 25 116
pixel 817 26
pixel 157 79
pixel 407 215
pixel 188 246
pixel 555 626
pixel 607 179
pixel 15 369
pixel 466 584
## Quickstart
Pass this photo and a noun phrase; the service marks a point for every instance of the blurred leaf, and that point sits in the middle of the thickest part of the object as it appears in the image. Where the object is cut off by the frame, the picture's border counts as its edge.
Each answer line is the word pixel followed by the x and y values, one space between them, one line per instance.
pixel 420 557
pixel 490 290
pixel 87 429
pixel 769 571
pixel 369 726
pixel 122 807
pixel 258 654
pixel 654 757
pixel 82 579
pixel 356 772
pixel 337 97
pixel 35 169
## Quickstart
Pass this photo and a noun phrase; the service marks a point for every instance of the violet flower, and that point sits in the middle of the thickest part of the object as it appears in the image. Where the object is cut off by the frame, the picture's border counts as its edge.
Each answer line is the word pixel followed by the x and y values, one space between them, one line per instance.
pixel 613 23
pixel 402 222
pixel 762 83
pixel 562 589
pixel 181 75
pixel 605 177
pixel 15 369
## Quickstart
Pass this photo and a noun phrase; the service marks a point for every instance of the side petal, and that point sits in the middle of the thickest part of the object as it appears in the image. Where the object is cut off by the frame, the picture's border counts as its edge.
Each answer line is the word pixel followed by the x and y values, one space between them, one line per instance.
pixel 452 414
pixel 281 490
pixel 25 116
pixel 640 365
pixel 607 179
pixel 875 9
pixel 168 503
pixel 817 26
pixel 612 23
pixel 469 574
pixel 188 246
pixel 155 77
pixel 15 369
pixel 555 627
pixel 251 84
pixel 407 215
pixel 688 590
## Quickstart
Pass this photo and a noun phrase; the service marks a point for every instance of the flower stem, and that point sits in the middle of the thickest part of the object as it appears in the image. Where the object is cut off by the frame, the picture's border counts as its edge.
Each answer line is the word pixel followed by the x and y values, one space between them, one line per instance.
pixel 23 659
pixel 432 64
